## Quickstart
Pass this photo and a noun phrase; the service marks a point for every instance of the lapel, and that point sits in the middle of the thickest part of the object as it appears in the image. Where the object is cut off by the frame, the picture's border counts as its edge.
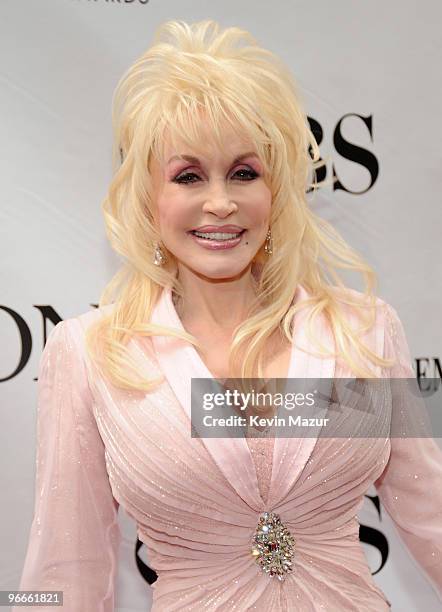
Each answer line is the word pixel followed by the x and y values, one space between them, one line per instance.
pixel 179 362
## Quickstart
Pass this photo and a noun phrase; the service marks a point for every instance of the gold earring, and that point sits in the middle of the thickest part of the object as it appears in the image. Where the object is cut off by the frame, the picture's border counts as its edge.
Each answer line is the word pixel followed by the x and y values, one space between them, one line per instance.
pixel 160 257
pixel 268 245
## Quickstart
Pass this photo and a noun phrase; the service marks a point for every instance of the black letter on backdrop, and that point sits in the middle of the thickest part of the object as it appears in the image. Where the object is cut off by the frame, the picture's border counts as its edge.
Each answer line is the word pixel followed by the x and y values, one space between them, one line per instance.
pixel 354 153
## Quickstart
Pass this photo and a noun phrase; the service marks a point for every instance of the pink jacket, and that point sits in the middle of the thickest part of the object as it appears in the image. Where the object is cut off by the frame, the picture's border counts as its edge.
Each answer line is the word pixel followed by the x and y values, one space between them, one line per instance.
pixel 197 501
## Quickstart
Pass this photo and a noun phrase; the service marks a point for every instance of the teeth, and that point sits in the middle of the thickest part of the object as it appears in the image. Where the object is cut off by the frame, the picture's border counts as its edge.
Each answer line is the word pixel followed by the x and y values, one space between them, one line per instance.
pixel 216 235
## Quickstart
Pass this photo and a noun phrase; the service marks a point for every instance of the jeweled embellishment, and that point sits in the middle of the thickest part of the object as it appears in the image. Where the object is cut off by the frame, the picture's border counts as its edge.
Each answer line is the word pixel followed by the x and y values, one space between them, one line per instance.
pixel 273 546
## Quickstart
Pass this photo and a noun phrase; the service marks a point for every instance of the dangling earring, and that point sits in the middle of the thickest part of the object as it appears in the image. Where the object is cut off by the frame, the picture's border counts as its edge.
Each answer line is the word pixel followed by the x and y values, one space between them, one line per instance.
pixel 159 258
pixel 268 245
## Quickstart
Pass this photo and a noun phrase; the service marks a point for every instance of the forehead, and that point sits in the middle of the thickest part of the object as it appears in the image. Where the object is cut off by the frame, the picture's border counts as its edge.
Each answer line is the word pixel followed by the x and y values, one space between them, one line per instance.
pixel 229 145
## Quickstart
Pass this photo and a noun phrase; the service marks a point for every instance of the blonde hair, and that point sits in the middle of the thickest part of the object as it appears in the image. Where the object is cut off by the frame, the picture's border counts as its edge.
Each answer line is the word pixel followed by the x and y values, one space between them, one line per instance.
pixel 199 67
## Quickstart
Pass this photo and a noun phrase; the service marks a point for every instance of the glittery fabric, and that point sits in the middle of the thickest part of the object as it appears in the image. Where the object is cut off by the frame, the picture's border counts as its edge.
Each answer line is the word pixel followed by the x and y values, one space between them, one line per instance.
pixel 262 454
pixel 196 502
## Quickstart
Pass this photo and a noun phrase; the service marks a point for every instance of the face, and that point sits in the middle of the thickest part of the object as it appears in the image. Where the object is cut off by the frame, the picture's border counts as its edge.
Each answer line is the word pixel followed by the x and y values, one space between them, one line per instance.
pixel 220 194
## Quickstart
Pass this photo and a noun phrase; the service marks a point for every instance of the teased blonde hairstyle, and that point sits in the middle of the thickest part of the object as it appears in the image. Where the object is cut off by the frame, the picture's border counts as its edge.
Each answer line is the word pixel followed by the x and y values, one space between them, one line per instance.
pixel 224 73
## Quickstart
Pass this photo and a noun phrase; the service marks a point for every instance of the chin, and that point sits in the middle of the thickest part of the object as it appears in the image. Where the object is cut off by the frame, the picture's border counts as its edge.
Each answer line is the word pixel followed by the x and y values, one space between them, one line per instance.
pixel 218 272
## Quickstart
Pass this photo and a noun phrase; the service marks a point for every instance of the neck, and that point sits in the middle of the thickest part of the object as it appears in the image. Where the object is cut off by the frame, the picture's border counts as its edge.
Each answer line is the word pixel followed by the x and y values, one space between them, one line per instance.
pixel 220 305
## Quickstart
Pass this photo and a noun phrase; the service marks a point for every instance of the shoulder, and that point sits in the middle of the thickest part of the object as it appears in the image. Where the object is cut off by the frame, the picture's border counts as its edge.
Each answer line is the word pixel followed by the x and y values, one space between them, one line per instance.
pixel 373 318
pixel 74 328
pixel 67 338
pixel 356 299
pixel 84 320
pixel 387 332
pixel 355 304
pixel 353 307
pixel 77 325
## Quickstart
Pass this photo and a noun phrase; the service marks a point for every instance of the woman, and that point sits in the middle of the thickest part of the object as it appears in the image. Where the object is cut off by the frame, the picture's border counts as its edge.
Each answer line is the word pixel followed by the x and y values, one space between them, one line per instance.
pixel 228 274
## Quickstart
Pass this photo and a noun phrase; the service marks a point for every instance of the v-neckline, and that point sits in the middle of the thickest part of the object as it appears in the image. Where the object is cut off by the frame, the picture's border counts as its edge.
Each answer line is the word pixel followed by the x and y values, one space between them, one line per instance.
pixel 198 361
pixel 180 362
pixel 201 366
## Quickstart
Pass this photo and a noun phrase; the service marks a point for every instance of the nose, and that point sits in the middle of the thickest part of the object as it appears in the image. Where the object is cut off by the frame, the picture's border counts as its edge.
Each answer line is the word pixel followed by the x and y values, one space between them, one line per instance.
pixel 219 202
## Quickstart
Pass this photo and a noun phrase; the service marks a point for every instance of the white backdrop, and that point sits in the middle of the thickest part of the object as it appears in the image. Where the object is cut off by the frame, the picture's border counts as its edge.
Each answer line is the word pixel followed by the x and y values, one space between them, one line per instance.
pixel 367 74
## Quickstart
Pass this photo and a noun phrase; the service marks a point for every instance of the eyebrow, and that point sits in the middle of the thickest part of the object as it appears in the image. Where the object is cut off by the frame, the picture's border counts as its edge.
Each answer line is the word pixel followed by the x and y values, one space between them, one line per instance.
pixel 195 160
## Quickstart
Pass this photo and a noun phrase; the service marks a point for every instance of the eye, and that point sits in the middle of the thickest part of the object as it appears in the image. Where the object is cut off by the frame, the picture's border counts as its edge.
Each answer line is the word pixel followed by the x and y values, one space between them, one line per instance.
pixel 250 173
pixel 183 178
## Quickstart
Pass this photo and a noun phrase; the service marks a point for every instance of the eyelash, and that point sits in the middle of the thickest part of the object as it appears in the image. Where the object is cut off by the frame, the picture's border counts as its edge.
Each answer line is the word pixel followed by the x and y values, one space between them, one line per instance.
pixel 252 174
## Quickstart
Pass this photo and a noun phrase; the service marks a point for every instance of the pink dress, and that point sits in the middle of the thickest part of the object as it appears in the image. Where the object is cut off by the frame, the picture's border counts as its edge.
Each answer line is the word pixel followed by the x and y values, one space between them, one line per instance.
pixel 197 501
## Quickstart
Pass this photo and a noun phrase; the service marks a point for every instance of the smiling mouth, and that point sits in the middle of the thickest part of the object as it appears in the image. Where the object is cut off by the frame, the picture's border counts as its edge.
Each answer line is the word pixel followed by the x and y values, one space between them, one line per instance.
pixel 217 236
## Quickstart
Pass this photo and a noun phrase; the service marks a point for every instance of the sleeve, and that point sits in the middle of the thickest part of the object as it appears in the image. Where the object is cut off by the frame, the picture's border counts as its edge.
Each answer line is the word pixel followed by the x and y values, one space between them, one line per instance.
pixel 410 488
pixel 74 537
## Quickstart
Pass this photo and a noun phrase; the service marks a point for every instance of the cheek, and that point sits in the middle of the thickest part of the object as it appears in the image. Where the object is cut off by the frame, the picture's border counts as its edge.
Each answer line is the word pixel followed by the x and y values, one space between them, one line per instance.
pixel 172 213
pixel 261 206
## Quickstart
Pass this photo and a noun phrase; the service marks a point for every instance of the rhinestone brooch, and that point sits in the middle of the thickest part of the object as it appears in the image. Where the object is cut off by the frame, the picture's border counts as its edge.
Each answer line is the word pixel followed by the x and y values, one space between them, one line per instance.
pixel 273 546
